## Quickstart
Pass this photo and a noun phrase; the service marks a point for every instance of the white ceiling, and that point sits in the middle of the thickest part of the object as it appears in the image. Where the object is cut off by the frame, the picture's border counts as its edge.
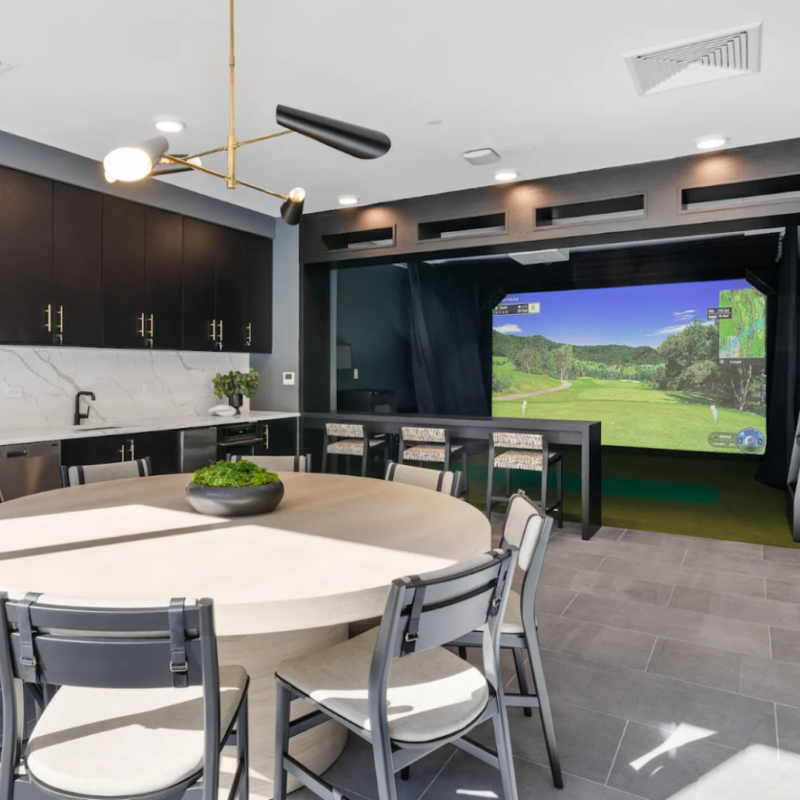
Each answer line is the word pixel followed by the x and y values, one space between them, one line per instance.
pixel 508 74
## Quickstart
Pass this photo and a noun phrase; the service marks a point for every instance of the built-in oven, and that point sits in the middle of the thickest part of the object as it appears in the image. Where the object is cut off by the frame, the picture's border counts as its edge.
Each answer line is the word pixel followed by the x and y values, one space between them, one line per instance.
pixel 244 439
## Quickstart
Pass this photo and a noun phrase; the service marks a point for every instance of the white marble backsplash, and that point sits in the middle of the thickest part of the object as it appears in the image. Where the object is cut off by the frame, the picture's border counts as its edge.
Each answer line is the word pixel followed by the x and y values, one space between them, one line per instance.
pixel 129 384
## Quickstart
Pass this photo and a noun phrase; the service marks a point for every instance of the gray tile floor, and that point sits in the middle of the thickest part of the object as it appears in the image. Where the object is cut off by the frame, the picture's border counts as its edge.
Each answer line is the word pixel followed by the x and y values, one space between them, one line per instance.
pixel 674 668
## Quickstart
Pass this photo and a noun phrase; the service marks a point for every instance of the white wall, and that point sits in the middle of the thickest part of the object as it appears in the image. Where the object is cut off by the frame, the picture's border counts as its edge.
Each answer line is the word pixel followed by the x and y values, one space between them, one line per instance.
pixel 178 384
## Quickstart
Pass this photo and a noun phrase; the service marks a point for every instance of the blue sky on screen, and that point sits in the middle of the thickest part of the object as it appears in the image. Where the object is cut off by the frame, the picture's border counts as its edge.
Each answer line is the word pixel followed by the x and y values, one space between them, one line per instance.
pixel 632 315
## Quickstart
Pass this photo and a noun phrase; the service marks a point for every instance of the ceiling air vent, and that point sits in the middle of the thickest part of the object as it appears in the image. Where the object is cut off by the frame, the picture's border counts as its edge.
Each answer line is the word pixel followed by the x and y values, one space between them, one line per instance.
pixel 6 66
pixel 711 58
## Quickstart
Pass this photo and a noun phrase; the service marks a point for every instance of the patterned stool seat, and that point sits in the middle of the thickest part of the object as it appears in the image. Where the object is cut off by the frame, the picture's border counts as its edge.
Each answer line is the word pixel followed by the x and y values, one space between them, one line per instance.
pixel 428 452
pixel 531 460
pixel 352 447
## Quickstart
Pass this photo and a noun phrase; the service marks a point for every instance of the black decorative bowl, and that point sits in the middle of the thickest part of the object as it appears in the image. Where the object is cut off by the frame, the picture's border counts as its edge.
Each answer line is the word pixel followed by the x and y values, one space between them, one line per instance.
pixel 234 501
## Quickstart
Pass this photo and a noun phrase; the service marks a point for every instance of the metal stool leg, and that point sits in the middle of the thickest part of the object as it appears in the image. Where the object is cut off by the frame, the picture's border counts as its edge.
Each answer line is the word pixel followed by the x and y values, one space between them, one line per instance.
pixel 243 750
pixel 465 472
pixel 508 483
pixel 522 678
pixel 489 486
pixel 560 492
pixel 537 668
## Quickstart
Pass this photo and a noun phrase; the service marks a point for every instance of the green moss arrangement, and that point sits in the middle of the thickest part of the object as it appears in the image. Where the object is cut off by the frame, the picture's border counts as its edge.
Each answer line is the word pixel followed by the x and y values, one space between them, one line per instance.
pixel 239 473
pixel 236 382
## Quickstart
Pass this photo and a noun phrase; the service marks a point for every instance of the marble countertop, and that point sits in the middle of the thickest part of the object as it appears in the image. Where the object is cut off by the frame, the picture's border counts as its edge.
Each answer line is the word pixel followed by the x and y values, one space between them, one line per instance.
pixel 124 426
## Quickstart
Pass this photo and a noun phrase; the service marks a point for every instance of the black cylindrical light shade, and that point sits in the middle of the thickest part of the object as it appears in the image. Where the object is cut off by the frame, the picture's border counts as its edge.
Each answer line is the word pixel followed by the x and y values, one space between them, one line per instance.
pixel 292 211
pixel 351 139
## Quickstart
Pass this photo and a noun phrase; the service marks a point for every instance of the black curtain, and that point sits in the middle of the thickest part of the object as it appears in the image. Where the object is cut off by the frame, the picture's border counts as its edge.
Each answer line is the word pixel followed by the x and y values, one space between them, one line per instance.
pixel 447 343
pixel 783 367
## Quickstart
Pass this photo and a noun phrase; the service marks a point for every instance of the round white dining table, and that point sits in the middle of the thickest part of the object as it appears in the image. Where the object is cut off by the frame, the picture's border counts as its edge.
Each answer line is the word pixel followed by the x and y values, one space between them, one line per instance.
pixel 283 584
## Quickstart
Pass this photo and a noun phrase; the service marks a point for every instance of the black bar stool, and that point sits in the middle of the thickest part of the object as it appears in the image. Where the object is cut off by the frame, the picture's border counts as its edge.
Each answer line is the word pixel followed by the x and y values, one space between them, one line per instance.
pixel 345 439
pixel 529 452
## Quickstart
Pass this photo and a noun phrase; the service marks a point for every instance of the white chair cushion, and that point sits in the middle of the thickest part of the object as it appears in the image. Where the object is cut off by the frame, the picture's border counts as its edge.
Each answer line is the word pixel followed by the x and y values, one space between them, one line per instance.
pixel 512 621
pixel 431 694
pixel 123 742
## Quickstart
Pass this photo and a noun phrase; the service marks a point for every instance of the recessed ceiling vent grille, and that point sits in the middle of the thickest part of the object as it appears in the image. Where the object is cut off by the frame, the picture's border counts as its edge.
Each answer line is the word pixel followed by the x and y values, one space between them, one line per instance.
pixel 712 58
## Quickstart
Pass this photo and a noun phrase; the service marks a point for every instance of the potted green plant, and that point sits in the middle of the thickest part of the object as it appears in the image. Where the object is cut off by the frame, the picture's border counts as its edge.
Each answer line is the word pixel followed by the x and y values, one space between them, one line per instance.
pixel 236 386
pixel 234 489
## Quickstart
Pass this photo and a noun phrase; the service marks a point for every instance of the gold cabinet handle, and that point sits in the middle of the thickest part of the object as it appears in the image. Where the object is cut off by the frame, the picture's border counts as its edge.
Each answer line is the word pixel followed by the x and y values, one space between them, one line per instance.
pixel 152 326
pixel 266 437
pixel 249 334
pixel 141 325
pixel 49 312
pixel 220 331
pixel 122 453
pixel 213 330
pixel 133 450
pixel 61 319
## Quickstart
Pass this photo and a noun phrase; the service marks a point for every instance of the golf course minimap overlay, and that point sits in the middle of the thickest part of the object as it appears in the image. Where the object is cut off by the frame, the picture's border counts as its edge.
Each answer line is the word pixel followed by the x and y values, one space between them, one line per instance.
pixel 671 366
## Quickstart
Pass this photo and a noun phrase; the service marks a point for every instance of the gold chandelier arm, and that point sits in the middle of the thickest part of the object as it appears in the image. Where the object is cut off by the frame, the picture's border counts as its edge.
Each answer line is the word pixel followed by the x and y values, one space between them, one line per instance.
pixel 208 152
pixel 184 163
pixel 263 138
pixel 259 189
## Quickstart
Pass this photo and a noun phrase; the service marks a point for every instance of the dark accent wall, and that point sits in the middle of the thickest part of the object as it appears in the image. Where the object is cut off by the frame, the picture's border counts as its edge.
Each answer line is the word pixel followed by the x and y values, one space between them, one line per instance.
pixel 373 317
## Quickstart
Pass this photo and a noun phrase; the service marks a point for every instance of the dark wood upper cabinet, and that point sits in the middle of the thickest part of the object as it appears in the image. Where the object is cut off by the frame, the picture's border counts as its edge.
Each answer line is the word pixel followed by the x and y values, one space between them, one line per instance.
pixel 123 273
pixel 230 286
pixel 258 293
pixel 163 279
pixel 200 329
pixel 26 258
pixel 77 266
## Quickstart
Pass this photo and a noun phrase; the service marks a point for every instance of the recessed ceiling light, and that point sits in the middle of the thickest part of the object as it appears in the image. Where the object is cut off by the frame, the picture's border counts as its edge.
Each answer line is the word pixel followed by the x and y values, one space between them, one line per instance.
pixel 711 142
pixel 348 200
pixel 170 125
pixel 506 175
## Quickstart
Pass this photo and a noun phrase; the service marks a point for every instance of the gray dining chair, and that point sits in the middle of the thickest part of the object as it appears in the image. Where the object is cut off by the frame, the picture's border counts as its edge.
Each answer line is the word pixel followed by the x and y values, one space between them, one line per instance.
pixel 527 528
pixel 278 463
pixel 396 686
pixel 438 480
pixel 132 702
pixel 99 473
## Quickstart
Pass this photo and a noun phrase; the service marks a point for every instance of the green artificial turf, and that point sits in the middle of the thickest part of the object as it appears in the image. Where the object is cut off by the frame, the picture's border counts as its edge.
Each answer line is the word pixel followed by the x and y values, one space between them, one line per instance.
pixel 714 496
pixel 633 413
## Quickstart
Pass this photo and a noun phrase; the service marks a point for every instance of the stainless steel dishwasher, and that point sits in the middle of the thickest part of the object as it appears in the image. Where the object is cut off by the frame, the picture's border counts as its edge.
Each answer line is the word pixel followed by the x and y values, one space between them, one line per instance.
pixel 29 468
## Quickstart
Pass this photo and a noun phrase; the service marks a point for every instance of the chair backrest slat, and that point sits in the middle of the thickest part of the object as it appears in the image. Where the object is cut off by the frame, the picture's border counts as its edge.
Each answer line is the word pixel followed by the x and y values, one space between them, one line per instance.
pixel 346 430
pixel 104 646
pixel 518 441
pixel 414 434
pixel 100 473
pixel 443 605
pixel 446 482
pixel 278 463
pixel 523 527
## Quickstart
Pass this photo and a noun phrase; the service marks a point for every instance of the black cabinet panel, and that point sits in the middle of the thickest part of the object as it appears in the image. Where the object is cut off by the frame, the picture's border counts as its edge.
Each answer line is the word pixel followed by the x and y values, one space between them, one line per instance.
pixel 26 257
pixel 123 273
pixel 161 447
pixel 199 257
pixel 258 293
pixel 230 285
pixel 77 266
pixel 93 450
pixel 164 278
pixel 278 437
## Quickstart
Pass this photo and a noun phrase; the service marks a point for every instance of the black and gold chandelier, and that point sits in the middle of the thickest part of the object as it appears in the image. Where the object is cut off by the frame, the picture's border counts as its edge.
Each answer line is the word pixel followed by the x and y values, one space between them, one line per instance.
pixel 151 159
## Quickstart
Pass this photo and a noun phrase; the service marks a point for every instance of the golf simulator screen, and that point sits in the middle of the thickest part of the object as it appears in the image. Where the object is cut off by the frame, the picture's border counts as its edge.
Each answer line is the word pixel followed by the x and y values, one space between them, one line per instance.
pixel 672 366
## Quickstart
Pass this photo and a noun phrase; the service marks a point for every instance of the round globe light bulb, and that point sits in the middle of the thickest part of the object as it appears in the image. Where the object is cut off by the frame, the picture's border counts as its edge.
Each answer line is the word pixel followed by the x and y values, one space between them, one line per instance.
pixel 128 164
pixel 297 195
